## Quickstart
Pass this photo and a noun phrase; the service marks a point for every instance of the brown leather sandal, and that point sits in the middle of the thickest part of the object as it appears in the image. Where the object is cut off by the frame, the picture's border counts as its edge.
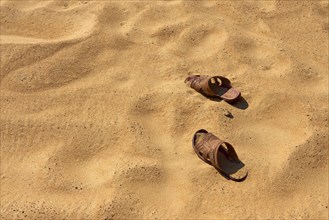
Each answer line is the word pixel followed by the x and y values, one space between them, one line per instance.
pixel 219 154
pixel 214 87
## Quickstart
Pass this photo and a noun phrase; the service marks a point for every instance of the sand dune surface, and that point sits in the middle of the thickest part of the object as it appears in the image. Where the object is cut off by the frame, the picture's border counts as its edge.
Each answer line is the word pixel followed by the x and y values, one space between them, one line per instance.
pixel 96 121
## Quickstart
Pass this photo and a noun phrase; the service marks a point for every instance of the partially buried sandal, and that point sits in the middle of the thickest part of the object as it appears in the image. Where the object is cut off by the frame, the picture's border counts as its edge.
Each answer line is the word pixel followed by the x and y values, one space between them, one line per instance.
pixel 213 87
pixel 219 154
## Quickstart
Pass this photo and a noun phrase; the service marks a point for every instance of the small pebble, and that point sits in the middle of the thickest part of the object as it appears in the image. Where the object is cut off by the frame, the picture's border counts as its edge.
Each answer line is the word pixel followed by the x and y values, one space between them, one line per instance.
pixel 227 113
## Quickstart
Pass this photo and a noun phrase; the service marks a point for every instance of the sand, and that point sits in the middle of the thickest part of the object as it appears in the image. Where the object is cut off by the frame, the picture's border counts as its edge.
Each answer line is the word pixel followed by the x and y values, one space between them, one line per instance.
pixel 96 121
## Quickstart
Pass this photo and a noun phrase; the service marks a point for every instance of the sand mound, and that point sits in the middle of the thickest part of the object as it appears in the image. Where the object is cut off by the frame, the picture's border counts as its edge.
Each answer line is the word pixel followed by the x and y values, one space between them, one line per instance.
pixel 96 121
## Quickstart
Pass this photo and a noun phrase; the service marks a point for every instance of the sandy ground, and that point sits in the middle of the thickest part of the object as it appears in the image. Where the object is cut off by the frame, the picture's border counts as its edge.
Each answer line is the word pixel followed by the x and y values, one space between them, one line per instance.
pixel 96 121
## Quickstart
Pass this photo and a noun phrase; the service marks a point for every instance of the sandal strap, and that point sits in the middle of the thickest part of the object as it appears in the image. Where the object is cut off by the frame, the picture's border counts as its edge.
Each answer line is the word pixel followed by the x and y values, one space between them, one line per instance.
pixel 200 84
pixel 208 149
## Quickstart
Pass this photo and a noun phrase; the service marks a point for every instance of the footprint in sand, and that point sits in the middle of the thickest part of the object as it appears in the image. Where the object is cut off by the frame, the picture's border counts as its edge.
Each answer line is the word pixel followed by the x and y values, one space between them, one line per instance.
pixel 200 42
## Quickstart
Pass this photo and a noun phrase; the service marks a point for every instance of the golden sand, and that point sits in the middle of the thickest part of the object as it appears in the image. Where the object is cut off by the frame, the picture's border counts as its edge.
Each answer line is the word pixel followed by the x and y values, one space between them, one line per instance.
pixel 96 121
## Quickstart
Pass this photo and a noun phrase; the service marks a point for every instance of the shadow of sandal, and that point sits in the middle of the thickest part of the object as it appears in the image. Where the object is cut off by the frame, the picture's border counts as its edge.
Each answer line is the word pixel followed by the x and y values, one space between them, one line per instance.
pixel 233 169
pixel 241 103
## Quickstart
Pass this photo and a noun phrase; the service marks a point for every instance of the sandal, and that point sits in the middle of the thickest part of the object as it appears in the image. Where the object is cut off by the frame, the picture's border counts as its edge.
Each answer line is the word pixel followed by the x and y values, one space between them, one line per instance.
pixel 219 154
pixel 214 87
